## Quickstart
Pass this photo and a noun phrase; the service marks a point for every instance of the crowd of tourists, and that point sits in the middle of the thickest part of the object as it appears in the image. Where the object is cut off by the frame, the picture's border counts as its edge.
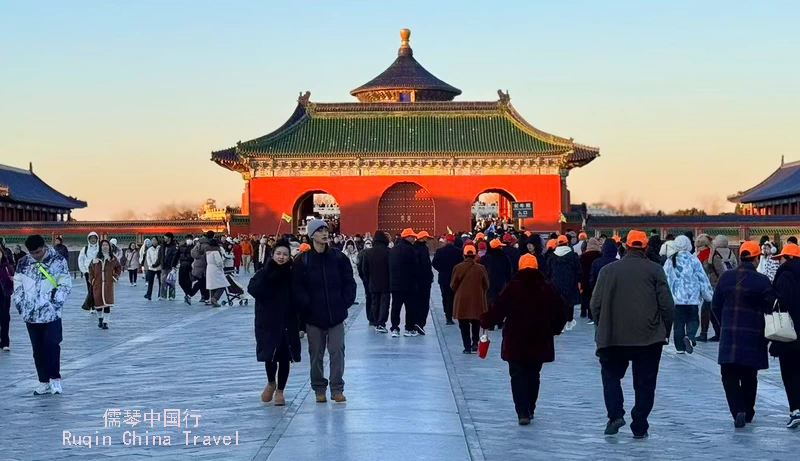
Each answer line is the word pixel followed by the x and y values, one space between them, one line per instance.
pixel 640 293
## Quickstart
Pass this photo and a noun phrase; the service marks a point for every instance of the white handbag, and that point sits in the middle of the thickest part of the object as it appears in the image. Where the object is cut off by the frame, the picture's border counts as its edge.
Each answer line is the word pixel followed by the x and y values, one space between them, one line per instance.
pixel 778 326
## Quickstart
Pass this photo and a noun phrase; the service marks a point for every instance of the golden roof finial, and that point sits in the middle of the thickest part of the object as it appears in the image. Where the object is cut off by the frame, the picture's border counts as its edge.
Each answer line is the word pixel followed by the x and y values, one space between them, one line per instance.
pixel 404 36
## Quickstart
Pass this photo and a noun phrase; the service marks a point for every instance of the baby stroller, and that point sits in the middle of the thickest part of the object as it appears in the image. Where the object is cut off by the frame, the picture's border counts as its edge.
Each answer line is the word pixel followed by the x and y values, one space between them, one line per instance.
pixel 234 292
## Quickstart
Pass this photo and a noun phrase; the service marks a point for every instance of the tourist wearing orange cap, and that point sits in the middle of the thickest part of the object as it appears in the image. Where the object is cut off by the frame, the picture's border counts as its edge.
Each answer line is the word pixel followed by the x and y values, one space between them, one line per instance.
pixel 424 276
pixel 633 309
pixel 403 282
pixel 499 269
pixel 787 288
pixel 444 261
pixel 742 299
pixel 580 247
pixel 469 283
pixel 565 272
pixel 533 313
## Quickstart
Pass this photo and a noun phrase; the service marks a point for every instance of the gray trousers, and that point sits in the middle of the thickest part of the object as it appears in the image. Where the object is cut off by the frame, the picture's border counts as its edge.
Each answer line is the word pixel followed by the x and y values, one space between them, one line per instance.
pixel 318 340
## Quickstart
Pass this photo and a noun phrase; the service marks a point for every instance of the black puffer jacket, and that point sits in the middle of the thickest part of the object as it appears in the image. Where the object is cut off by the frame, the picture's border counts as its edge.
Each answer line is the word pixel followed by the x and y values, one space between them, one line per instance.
pixel 185 255
pixel 513 256
pixel 787 289
pixel 402 264
pixel 375 264
pixel 565 273
pixel 324 287
pixel 276 317
pixel 168 255
pixel 499 269
pixel 424 270
pixel 444 260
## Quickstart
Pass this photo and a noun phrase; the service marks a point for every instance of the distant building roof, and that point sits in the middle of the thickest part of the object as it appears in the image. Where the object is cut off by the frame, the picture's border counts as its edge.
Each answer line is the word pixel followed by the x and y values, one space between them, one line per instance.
pixel 405 74
pixel 25 187
pixel 784 182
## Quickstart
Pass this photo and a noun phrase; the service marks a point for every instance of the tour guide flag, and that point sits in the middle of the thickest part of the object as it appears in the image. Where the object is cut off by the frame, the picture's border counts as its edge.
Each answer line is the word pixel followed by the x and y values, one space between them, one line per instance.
pixel 448 230
pixel 286 217
pixel 562 218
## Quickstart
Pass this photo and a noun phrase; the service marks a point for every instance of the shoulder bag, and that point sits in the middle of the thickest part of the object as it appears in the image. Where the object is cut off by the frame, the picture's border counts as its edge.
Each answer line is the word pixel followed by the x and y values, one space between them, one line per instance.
pixel 778 326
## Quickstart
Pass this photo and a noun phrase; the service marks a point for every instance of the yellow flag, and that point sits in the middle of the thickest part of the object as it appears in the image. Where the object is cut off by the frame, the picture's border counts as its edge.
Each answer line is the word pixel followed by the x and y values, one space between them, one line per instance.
pixel 449 231
pixel 286 218
pixel 562 218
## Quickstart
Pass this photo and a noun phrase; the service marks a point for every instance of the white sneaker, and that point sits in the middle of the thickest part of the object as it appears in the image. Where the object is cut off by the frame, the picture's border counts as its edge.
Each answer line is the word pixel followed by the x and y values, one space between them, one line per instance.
pixel 410 334
pixel 42 389
pixel 55 386
pixel 590 322
pixel 574 323
pixel 681 352
pixel 395 334
pixel 6 349
pixel 568 326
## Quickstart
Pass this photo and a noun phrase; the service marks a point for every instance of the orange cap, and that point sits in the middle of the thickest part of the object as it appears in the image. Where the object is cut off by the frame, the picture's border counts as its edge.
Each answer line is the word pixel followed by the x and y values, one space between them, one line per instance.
pixel 480 236
pixel 528 233
pixel 751 248
pixel 409 232
pixel 528 261
pixel 562 239
pixel 423 235
pixel 303 247
pixel 790 249
pixel 469 250
pixel 582 236
pixel 496 244
pixel 616 238
pixel 552 244
pixel 636 239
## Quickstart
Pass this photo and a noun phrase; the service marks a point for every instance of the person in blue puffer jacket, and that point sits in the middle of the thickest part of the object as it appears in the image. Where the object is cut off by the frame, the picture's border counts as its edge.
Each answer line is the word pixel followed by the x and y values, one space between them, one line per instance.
pixel 690 286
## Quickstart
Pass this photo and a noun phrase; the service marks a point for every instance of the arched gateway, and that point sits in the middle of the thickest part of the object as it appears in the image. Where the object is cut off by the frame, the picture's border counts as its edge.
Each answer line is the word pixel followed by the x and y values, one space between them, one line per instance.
pixel 405 155
pixel 406 204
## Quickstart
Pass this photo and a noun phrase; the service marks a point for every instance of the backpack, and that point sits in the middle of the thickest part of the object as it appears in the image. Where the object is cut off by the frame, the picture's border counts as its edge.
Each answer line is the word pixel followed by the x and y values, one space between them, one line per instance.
pixel 728 262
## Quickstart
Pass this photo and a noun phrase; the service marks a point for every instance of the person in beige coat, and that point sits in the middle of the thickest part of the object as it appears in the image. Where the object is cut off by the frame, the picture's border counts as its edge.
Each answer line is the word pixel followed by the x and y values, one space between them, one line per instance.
pixel 470 282
pixel 215 272
pixel 104 271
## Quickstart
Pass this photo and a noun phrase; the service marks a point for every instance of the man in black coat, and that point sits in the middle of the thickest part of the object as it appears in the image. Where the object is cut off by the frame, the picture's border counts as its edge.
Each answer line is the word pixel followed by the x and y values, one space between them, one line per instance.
pixel 565 272
pixel 402 282
pixel 787 289
pixel 61 248
pixel 323 283
pixel 375 266
pixel 424 273
pixel 499 269
pixel 444 260
pixel 168 255
pixel 511 252
pixel 185 261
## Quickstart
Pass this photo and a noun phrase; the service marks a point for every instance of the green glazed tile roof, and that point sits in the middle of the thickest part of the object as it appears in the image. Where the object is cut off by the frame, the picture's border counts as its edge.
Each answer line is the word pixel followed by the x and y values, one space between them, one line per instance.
pixel 406 128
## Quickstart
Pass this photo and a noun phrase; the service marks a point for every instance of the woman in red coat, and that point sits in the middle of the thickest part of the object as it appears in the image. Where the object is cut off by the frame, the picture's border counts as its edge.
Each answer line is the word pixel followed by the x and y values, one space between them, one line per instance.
pixel 237 255
pixel 534 313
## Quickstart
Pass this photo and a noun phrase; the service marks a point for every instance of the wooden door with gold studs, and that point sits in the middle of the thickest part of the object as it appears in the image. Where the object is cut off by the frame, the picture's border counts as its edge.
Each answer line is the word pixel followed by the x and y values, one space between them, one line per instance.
pixel 406 204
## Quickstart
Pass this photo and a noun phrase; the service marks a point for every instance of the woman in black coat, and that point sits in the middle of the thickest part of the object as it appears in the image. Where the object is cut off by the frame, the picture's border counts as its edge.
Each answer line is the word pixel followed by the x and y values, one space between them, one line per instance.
pixel 787 289
pixel 277 321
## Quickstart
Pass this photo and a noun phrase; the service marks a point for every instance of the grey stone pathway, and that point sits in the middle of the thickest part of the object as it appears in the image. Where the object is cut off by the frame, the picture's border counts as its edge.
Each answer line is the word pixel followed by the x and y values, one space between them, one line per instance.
pixel 408 398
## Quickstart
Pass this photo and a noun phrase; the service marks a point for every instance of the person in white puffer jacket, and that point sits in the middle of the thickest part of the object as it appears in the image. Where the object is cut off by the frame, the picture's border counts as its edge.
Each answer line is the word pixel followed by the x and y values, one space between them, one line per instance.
pixel 85 258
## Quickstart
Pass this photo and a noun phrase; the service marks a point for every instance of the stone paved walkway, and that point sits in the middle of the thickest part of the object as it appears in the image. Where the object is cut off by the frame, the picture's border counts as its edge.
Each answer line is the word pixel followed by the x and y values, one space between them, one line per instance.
pixel 408 398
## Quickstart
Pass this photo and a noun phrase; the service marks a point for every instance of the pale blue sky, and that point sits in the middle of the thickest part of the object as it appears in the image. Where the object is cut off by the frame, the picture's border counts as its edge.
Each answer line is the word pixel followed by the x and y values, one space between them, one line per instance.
pixel 689 101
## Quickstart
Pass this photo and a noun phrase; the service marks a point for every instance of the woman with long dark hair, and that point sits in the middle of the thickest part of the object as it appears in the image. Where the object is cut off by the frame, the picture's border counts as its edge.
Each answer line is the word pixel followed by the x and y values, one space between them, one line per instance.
pixel 277 321
pixel 104 271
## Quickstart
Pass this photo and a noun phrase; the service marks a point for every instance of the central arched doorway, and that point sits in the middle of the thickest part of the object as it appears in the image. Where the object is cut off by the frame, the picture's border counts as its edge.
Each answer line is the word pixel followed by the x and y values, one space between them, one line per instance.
pixel 492 206
pixel 406 204
pixel 316 204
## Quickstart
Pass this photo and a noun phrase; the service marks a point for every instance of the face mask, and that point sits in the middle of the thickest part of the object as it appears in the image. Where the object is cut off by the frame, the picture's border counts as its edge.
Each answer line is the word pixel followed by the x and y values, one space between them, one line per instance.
pixel 189 241
pixel 263 241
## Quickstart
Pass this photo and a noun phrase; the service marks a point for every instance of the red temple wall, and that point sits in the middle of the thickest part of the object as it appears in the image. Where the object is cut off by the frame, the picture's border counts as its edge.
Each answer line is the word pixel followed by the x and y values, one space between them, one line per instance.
pixel 358 198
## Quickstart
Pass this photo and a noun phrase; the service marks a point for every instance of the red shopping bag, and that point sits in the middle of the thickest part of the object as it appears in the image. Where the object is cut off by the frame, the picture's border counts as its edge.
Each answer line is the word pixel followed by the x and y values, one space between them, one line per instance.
pixel 483 345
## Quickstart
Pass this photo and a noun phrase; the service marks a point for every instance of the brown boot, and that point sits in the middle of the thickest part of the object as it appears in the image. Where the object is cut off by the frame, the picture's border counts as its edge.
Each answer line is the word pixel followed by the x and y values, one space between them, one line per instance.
pixel 338 397
pixel 321 398
pixel 280 400
pixel 269 391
